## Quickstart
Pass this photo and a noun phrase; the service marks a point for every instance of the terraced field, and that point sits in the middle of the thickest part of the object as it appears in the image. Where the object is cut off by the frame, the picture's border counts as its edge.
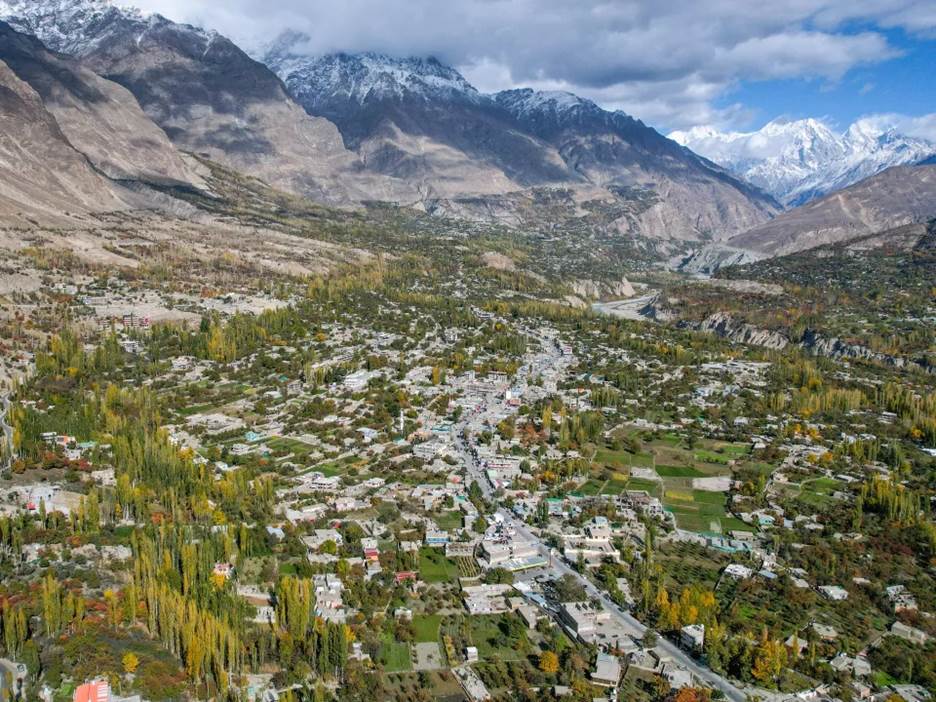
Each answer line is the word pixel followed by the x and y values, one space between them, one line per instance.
pixel 677 465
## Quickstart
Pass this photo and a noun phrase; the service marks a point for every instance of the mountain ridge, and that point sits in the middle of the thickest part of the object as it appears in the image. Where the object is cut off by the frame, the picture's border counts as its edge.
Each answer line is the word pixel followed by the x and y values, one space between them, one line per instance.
pixel 209 97
pixel 420 120
pixel 349 129
pixel 888 210
pixel 800 160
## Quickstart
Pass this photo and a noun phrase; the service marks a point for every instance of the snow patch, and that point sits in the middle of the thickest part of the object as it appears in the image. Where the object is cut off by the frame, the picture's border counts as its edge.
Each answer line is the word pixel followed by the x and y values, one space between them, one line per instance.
pixel 799 160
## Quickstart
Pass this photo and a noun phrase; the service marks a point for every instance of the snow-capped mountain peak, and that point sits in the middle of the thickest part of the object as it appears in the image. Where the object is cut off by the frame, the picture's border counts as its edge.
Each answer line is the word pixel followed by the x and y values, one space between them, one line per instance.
pixel 77 27
pixel 526 101
pixel 798 160
pixel 364 76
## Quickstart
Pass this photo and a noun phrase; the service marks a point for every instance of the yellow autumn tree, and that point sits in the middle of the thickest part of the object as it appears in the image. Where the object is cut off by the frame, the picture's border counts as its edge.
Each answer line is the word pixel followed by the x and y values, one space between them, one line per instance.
pixel 130 662
pixel 769 660
pixel 549 663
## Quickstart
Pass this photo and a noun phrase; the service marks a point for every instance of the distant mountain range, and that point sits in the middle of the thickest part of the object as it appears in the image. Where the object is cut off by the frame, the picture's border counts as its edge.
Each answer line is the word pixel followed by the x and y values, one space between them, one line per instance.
pixel 348 129
pixel 104 108
pixel 473 154
pixel 798 161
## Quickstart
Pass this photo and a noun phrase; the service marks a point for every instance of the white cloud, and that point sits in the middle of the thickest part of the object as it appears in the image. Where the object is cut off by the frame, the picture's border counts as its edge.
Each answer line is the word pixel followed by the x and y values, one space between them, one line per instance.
pixel 802 55
pixel 665 61
pixel 922 126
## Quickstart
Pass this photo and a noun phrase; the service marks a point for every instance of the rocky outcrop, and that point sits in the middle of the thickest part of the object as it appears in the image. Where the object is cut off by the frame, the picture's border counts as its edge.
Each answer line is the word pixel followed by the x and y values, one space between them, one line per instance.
pixel 711 258
pixel 621 288
pixel 726 326
pixel 594 290
pixel 836 348
pixel 498 261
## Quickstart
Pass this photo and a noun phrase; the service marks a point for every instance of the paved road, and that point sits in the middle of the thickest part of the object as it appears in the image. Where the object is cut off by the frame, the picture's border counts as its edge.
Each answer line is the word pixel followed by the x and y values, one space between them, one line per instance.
pixel 7 431
pixel 629 623
pixel 550 357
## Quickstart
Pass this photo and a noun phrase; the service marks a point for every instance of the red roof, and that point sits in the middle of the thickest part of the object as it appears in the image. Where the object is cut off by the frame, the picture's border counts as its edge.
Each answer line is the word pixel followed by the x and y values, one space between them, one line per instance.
pixel 94 691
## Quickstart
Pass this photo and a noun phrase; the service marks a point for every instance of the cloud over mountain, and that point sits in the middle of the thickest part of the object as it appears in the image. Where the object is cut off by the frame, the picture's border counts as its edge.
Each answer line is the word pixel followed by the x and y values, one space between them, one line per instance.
pixel 667 61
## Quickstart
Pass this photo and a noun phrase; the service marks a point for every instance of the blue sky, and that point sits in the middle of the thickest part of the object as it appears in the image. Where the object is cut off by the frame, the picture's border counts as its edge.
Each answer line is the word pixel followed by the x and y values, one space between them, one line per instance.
pixel 904 85
pixel 731 64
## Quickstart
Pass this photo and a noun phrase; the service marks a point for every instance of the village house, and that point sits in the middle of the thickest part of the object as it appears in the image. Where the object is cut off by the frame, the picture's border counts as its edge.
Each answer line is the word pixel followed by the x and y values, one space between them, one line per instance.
pixel 607 670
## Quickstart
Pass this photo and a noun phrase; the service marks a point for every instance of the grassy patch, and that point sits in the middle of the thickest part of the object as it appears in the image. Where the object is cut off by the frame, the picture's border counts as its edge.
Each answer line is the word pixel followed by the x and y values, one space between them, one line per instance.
pixel 450 520
pixel 735 524
pixel 591 487
pixel 614 487
pixel 817 493
pixel 709 498
pixel 712 457
pixel 652 487
pixel 696 510
pixel 426 627
pixel 434 567
pixel 622 459
pixel 490 640
pixel 395 656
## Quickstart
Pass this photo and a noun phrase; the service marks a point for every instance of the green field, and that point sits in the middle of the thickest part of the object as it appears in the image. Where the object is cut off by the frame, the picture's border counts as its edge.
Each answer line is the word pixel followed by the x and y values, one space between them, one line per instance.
pixel 652 487
pixel 434 567
pixel 330 469
pixel 696 510
pixel 734 524
pixel 677 465
pixel 623 459
pixel 817 492
pixel 591 487
pixel 485 634
pixel 449 520
pixel 713 457
pixel 426 627
pixel 395 656
pixel 614 487
pixel 298 449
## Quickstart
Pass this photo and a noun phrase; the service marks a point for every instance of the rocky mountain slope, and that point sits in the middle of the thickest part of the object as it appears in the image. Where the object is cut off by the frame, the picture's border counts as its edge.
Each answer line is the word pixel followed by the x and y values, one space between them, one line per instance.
pixel 694 197
pixel 898 196
pixel 100 119
pixel 71 140
pixel 887 211
pixel 798 161
pixel 207 95
pixel 42 178
pixel 421 121
pixel 418 120
pixel 406 131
